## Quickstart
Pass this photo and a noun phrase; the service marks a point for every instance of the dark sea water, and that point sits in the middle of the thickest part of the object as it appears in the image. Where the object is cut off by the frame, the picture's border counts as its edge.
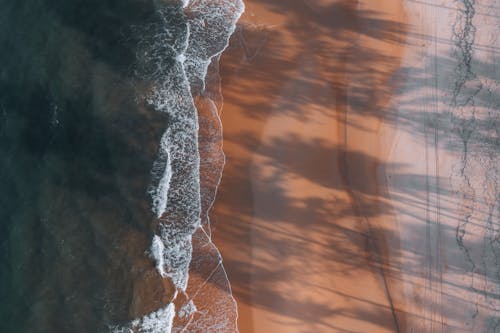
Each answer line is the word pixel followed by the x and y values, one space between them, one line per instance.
pixel 98 158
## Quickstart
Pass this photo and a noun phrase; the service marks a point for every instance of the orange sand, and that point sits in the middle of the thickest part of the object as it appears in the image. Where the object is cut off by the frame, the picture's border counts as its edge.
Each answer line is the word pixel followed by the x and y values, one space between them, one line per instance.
pixel 302 217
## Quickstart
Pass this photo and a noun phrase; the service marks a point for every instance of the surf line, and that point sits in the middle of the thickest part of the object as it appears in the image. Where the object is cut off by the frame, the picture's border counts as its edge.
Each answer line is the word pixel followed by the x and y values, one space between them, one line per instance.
pixel 188 36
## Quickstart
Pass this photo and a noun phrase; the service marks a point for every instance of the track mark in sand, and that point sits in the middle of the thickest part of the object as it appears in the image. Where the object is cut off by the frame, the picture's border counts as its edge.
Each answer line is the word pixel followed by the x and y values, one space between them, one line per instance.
pixel 464 36
pixel 477 170
pixel 463 103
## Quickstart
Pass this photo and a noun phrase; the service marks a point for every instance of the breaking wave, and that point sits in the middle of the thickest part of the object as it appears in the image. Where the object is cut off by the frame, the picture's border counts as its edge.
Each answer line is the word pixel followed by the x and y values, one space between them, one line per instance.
pixel 174 55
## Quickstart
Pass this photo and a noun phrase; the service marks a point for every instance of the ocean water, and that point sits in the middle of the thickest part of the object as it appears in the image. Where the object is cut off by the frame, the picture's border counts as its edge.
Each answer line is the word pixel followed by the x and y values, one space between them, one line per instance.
pixel 102 207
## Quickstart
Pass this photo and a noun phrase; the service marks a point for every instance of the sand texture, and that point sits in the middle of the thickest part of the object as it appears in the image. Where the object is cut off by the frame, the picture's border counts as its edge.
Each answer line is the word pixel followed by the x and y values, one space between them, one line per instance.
pixel 360 191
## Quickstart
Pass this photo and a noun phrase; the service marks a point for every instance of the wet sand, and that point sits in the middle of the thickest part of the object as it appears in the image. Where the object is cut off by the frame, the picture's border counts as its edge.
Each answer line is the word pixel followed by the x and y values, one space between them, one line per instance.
pixel 331 215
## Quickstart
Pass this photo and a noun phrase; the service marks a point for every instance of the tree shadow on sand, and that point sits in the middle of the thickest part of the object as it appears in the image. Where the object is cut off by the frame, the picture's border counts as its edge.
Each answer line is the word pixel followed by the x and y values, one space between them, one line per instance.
pixel 260 222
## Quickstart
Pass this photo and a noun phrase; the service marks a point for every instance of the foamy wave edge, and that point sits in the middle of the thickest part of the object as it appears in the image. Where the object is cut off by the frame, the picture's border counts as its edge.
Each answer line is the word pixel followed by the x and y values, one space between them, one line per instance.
pixel 173 94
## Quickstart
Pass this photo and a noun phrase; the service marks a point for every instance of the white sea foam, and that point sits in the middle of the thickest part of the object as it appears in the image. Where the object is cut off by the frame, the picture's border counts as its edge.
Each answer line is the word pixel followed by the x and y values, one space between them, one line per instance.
pixel 187 309
pixel 174 56
pixel 176 256
pixel 156 322
pixel 212 22
pixel 159 193
pixel 157 250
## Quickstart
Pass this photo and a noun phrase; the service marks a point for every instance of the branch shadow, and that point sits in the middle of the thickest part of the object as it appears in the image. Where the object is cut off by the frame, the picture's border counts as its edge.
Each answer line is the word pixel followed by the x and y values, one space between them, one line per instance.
pixel 264 231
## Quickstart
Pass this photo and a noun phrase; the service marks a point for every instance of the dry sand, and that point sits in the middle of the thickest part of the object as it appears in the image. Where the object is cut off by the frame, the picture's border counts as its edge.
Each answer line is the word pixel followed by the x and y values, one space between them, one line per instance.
pixel 323 215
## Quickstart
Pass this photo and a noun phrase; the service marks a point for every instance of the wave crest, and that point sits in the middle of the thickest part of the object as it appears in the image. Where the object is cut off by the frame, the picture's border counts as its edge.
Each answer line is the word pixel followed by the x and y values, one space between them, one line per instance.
pixel 174 56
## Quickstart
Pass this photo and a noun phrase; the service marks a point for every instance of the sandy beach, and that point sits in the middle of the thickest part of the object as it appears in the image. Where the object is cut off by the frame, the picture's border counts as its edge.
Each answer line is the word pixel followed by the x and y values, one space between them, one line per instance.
pixel 295 166
pixel 343 202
